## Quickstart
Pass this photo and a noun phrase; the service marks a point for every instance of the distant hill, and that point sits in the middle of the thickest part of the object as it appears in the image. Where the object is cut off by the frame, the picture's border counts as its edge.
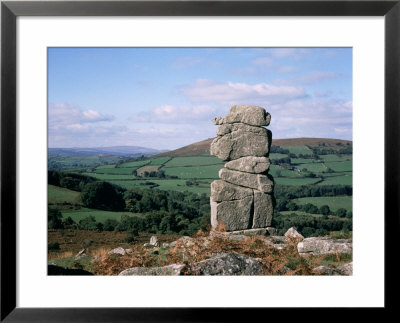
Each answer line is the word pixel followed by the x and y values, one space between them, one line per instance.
pixel 126 151
pixel 314 142
pixel 203 147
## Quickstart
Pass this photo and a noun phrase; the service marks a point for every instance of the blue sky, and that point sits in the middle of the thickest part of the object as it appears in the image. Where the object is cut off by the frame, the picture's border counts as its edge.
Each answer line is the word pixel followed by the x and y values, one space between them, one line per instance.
pixel 165 98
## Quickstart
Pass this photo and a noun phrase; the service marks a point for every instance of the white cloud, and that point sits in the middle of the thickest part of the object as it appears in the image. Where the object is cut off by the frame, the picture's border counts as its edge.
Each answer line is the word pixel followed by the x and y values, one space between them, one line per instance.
pixel 318 117
pixel 177 114
pixel 64 115
pixel 204 90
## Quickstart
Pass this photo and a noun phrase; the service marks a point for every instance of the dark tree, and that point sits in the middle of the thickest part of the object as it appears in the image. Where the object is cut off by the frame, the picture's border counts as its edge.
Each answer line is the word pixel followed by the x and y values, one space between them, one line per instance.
pixel 103 196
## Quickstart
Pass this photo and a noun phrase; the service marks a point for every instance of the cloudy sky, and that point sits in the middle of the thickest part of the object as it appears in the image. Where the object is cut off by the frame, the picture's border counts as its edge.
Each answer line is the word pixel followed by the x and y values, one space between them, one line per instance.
pixel 165 98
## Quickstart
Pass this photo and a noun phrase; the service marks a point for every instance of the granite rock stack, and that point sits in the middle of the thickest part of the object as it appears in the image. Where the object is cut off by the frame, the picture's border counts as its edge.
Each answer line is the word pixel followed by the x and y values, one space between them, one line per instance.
pixel 242 198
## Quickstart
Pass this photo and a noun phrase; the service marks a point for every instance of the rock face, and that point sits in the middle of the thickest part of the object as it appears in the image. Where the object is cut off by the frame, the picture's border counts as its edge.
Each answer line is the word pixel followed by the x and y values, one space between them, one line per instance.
pixel 239 140
pixel 323 246
pixel 243 197
pixel 228 264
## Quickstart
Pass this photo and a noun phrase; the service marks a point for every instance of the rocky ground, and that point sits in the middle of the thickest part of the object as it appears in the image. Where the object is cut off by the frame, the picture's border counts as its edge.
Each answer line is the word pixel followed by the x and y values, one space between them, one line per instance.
pixel 220 253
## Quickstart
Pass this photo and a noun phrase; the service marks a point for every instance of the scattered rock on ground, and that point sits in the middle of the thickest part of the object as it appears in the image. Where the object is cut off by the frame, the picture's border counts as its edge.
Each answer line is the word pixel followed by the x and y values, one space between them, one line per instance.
pixel 171 270
pixel 228 264
pixel 117 251
pixel 81 255
pixel 154 241
pixel 346 269
pixel 293 234
pixel 323 246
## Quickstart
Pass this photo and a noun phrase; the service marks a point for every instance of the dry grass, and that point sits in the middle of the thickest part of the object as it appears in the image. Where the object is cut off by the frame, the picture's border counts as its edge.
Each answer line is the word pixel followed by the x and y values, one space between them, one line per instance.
pixel 201 246
pixel 60 255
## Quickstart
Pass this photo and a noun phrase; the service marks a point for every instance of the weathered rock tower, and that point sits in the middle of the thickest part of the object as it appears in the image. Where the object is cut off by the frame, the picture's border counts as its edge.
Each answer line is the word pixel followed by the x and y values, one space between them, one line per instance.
pixel 242 199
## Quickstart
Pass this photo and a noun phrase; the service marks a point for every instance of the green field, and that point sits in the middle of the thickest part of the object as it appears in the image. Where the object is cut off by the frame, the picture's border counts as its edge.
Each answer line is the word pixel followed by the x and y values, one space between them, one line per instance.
pixel 313 167
pixel 193 161
pixel 334 202
pixel 297 161
pixel 167 185
pixel 194 172
pixel 337 180
pixel 134 164
pixel 105 166
pixel 66 162
pixel 335 158
pixel 109 177
pixel 299 150
pixel 344 166
pixel 119 171
pixel 276 170
pixel 159 161
pixel 100 215
pixel 277 156
pixel 58 195
pixel 295 181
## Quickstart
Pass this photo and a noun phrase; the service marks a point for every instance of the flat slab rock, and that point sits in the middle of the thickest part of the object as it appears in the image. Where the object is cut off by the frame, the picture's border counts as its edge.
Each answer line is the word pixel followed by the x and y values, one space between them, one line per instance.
pixel 323 246
pixel 228 264
pixel 249 164
pixel 240 140
pixel 345 270
pixel 259 182
pixel 171 270
pixel 249 114
pixel 224 191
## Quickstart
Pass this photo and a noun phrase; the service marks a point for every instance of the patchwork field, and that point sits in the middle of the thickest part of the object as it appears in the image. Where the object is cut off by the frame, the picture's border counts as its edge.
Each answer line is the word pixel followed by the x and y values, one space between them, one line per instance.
pixel 334 202
pixel 100 215
pixel 59 195
pixel 195 173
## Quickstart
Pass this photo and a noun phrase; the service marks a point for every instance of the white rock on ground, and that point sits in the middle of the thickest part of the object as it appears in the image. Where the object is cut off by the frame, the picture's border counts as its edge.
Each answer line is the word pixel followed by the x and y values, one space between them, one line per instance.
pixel 323 246
pixel 293 234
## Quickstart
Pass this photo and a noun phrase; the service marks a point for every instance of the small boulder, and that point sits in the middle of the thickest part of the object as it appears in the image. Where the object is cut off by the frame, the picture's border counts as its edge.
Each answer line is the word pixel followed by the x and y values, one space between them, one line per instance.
pixel 346 269
pixel 117 251
pixel 154 241
pixel 293 234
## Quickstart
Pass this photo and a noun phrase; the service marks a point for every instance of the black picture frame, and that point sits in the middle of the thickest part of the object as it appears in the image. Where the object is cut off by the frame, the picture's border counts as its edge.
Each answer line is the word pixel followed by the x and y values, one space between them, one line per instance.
pixel 10 10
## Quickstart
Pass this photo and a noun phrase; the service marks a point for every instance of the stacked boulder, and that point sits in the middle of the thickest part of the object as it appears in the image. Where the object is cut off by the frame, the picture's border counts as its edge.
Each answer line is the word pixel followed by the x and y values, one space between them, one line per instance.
pixel 242 199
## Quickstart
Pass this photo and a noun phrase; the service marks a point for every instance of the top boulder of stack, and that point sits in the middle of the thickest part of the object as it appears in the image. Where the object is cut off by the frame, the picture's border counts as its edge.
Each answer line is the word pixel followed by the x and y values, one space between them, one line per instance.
pixel 248 114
